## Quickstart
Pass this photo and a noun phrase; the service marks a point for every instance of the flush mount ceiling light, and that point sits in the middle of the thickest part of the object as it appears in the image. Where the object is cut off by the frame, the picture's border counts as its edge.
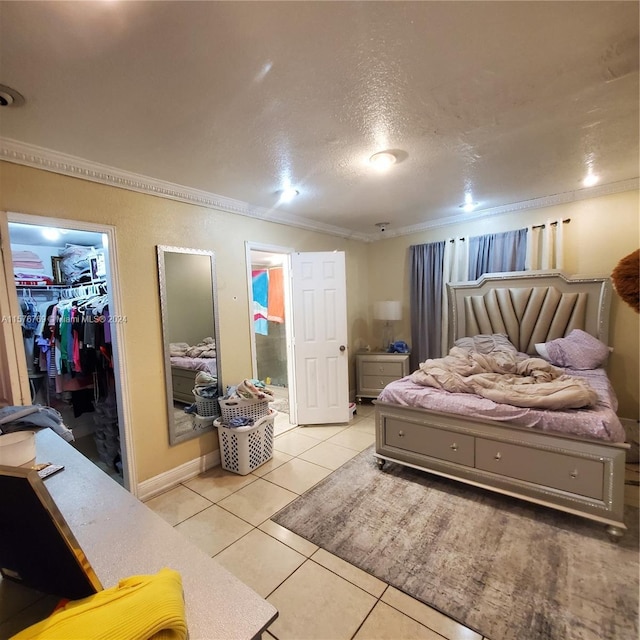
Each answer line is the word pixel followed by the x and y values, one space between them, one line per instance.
pixel 382 160
pixel 288 194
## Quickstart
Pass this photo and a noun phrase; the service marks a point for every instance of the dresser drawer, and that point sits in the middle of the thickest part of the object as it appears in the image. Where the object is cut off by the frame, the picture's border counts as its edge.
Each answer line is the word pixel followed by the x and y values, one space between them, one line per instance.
pixel 376 382
pixel 547 468
pixel 392 370
pixel 430 441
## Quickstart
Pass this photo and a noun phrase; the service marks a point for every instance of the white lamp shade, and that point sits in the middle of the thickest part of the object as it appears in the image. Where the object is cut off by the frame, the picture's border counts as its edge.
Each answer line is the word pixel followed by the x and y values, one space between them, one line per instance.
pixel 387 310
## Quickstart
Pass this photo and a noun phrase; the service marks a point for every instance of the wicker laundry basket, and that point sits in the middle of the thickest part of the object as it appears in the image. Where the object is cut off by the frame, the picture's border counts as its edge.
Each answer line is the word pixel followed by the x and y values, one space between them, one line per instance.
pixel 243 449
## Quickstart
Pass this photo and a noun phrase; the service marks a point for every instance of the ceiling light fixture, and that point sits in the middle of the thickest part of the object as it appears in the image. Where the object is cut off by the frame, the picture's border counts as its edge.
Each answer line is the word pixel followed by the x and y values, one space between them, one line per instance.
pixel 469 204
pixel 10 97
pixel 590 179
pixel 50 234
pixel 288 194
pixel 382 160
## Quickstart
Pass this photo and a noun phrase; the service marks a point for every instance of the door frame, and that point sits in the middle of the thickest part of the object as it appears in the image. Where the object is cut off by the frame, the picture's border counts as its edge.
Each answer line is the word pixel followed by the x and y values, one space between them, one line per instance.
pixel 117 331
pixel 288 317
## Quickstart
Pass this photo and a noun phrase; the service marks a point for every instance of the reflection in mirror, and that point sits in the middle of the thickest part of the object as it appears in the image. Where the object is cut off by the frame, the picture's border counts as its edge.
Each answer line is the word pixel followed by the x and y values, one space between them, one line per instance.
pixel 188 305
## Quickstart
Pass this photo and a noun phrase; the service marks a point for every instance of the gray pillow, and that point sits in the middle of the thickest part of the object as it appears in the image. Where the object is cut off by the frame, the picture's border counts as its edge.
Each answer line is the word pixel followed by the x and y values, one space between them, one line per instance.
pixel 486 343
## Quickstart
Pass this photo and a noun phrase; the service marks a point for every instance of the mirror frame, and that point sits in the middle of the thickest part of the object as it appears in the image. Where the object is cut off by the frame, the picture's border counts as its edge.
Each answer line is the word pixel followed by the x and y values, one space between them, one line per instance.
pixel 162 250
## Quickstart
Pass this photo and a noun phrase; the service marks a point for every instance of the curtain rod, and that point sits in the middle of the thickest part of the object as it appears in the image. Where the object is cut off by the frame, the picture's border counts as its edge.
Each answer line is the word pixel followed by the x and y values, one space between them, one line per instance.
pixel 535 226
pixel 552 224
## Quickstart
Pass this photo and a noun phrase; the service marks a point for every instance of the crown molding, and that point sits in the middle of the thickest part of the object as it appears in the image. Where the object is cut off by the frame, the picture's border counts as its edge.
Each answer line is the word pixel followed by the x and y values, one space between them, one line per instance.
pixel 632 184
pixel 56 162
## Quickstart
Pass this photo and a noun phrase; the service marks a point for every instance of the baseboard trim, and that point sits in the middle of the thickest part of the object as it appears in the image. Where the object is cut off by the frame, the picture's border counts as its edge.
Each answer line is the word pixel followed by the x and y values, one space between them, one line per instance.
pixel 158 484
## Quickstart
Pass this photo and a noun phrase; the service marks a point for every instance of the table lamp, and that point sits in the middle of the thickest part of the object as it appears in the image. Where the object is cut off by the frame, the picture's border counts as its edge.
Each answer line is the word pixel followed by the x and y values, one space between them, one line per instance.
pixel 389 311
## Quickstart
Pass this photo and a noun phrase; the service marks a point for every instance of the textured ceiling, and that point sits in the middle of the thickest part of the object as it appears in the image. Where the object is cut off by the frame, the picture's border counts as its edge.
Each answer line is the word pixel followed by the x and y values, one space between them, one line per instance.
pixel 510 100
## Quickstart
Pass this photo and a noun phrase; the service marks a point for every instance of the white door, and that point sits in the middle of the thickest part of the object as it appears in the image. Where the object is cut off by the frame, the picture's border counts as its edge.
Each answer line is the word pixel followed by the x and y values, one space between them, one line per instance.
pixel 320 337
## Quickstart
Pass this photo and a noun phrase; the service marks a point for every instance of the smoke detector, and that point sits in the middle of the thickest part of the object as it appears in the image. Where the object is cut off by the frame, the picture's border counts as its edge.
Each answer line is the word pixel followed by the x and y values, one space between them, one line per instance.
pixel 382 226
pixel 10 97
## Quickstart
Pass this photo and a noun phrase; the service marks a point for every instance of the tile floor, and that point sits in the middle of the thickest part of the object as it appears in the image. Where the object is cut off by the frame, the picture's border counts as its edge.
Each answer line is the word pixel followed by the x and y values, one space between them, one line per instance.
pixel 318 595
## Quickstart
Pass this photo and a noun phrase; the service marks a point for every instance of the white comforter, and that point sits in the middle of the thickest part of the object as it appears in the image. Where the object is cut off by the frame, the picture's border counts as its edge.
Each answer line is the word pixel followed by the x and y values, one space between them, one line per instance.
pixel 506 377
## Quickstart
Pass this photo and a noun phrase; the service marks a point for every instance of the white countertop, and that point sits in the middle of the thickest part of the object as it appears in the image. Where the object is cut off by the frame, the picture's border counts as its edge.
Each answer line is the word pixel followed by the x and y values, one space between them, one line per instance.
pixel 122 537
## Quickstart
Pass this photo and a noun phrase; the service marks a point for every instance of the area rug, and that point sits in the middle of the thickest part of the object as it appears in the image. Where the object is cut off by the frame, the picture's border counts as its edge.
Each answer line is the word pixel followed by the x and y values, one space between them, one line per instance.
pixel 505 568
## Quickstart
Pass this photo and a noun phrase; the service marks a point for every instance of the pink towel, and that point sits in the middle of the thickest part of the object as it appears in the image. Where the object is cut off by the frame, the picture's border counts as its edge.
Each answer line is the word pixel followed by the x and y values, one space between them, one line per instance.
pixel 275 310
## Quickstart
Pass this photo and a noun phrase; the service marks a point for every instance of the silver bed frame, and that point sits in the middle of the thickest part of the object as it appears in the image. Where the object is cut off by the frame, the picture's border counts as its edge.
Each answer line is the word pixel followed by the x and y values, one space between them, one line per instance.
pixel 576 475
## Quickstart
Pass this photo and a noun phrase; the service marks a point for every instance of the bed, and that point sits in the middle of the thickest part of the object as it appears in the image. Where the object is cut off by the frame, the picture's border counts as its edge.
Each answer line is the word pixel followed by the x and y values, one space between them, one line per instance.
pixel 572 460
pixel 186 361
pixel 183 373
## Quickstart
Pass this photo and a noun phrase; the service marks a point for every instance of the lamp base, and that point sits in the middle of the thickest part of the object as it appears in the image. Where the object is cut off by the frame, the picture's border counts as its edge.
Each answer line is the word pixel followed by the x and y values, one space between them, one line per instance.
pixel 387 336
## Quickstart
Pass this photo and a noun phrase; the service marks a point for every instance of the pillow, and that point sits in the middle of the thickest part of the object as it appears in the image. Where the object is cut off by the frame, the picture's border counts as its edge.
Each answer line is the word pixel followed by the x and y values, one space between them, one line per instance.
pixel 578 350
pixel 485 343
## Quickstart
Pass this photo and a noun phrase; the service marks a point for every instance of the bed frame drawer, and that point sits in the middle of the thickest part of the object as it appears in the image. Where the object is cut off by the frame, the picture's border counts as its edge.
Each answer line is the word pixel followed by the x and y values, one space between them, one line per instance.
pixel 429 441
pixel 183 381
pixel 561 471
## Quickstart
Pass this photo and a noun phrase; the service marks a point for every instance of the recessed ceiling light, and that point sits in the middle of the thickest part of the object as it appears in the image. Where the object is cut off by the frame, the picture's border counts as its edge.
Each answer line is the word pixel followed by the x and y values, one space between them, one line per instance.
pixel 288 194
pixel 382 160
pixel 50 234
pixel 10 97
pixel 469 204
pixel 590 179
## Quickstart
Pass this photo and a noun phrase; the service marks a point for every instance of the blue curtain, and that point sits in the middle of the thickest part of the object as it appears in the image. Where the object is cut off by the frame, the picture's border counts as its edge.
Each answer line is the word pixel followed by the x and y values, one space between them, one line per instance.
pixel 497 252
pixel 425 299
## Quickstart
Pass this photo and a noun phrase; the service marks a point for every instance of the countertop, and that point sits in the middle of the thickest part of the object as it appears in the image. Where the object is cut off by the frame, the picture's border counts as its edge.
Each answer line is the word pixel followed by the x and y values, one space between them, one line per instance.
pixel 122 537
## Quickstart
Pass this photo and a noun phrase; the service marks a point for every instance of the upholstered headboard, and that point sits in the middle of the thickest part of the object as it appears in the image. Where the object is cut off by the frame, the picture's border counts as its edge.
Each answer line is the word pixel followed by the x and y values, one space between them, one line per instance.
pixel 529 307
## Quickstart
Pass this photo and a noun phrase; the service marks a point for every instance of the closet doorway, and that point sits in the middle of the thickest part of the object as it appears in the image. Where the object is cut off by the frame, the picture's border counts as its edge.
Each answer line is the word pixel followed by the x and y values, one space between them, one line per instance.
pixel 64 292
pixel 268 274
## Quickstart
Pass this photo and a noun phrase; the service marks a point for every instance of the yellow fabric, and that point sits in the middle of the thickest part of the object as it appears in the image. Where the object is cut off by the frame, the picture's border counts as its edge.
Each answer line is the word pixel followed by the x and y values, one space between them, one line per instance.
pixel 139 608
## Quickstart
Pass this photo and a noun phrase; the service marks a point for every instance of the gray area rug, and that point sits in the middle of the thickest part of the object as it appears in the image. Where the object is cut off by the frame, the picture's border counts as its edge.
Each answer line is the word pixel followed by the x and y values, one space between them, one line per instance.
pixel 281 405
pixel 507 569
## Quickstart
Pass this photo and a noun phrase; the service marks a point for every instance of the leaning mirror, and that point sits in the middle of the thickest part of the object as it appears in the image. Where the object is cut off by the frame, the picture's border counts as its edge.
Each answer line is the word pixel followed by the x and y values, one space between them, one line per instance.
pixel 189 309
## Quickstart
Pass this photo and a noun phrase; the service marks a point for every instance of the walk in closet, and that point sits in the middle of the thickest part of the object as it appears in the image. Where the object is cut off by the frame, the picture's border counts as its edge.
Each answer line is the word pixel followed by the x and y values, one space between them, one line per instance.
pixel 63 295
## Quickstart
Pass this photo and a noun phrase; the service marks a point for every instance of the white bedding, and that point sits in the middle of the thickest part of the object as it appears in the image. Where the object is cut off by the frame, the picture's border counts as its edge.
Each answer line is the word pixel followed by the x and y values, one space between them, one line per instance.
pixel 598 422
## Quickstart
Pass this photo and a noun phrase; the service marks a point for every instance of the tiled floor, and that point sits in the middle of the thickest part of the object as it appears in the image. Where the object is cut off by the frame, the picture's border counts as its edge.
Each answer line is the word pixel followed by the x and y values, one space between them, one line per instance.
pixel 318 595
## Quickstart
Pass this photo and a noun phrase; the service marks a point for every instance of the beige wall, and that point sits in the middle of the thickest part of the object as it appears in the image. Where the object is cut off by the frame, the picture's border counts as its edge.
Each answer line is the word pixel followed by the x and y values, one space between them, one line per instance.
pixel 141 223
pixel 601 232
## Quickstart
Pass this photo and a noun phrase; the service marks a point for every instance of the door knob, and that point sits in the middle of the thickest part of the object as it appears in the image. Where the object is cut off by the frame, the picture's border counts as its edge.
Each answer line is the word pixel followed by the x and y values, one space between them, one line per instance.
pixel 342 347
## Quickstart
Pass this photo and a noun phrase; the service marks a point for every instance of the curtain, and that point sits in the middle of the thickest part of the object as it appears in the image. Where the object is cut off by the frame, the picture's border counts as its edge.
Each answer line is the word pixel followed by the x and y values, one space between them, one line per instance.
pixel 425 299
pixel 497 252
pixel 545 246
pixel 455 268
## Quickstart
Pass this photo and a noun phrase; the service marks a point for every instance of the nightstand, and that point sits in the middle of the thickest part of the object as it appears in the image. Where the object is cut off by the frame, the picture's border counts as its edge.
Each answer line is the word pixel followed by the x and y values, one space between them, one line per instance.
pixel 375 370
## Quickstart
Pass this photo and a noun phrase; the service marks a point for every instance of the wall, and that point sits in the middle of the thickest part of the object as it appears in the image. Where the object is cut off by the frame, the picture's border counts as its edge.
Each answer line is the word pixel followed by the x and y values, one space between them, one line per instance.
pixel 142 222
pixel 601 232
pixel 189 299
